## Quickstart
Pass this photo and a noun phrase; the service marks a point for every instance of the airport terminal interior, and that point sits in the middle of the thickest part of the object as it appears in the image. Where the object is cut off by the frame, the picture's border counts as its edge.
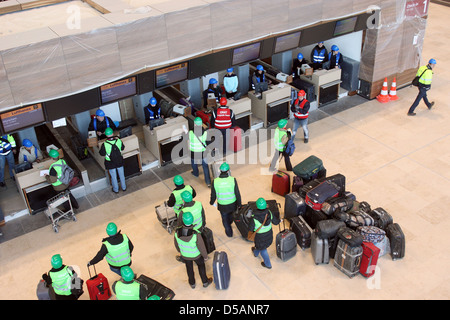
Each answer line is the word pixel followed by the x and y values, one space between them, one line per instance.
pixel 389 159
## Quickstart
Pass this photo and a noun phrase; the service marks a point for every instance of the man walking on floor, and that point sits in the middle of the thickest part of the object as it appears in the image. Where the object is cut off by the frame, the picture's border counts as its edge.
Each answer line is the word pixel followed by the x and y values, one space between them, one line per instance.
pixel 425 74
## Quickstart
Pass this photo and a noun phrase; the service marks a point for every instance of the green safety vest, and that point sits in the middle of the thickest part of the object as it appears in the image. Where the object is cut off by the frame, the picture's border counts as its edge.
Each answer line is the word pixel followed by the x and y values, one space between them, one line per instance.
pixel 118 255
pixel 264 228
pixel 426 77
pixel 188 249
pixel 225 190
pixel 196 211
pixel 58 170
pixel 279 134
pixel 178 199
pixel 108 147
pixel 194 144
pixel 127 291
pixel 62 281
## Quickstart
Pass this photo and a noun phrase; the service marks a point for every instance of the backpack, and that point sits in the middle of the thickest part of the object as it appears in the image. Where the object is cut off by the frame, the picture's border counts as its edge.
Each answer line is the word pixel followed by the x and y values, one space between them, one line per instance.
pixel 290 147
pixel 116 155
pixel 67 173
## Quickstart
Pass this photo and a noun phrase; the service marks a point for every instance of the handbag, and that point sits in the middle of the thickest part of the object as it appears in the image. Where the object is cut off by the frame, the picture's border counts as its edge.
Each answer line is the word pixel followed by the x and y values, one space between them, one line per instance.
pixel 252 234
pixel 415 81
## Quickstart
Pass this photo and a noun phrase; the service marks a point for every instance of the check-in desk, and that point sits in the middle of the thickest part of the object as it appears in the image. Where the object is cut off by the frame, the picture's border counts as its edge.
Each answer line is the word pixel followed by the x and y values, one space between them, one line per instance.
pixel 242 109
pixel 274 104
pixel 161 140
pixel 326 83
pixel 131 156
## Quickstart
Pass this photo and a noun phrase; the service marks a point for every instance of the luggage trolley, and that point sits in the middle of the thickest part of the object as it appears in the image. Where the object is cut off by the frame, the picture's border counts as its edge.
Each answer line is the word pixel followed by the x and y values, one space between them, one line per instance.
pixel 55 214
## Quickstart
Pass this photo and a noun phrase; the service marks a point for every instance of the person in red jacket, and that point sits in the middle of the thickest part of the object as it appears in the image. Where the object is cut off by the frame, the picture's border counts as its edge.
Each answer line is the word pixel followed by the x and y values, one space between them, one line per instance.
pixel 223 119
pixel 300 108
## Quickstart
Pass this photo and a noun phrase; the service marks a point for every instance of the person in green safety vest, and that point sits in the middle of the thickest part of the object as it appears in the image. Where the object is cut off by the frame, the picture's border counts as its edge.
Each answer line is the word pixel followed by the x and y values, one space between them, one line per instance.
pixel 112 149
pixel 280 139
pixel 175 199
pixel 197 145
pixel 116 248
pixel 195 208
pixel 127 288
pixel 225 190
pixel 425 74
pixel 63 281
pixel 264 236
pixel 190 244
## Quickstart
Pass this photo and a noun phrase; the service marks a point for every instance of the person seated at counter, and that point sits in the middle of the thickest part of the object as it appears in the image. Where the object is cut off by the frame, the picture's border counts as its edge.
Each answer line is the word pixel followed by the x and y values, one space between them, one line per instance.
pixel 29 153
pixel 213 88
pixel 230 83
pixel 319 55
pixel 99 124
pixel 335 59
pixel 259 81
pixel 152 113
pixel 297 65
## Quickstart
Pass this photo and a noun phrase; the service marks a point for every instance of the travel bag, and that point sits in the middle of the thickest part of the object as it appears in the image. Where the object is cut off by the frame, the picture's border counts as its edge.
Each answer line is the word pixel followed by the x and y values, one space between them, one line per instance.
pixel 355 219
pixel 327 229
pixel 371 234
pixel 286 243
pixel 350 236
pixel 382 217
pixel 320 249
pixel 98 286
pixel 297 183
pixel 347 258
pixel 302 232
pixel 206 117
pixel 221 270
pixel 308 186
pixel 369 259
pixel 208 239
pixel 42 291
pixel 309 168
pixel 167 216
pixel 397 241
pixel 294 205
pixel 155 288
pixel 312 217
pixel 240 218
pixel 342 203
pixel 318 195
pixel 339 180
pixel 281 183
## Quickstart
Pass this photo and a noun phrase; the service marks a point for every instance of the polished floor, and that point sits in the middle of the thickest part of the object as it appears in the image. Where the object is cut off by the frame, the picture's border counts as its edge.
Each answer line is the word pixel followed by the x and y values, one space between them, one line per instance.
pixel 390 160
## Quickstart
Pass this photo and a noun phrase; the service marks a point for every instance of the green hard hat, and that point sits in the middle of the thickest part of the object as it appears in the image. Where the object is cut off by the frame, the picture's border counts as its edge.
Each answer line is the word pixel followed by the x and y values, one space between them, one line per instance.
pixel 282 123
pixel 111 229
pixel 154 297
pixel 56 261
pixel 186 196
pixel 109 131
pixel 53 153
pixel 178 180
pixel 261 204
pixel 198 121
pixel 188 218
pixel 224 167
pixel 127 273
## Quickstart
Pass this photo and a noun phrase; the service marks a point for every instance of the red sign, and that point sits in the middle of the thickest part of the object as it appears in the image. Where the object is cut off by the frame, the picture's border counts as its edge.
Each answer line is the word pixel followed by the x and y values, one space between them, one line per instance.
pixel 417 8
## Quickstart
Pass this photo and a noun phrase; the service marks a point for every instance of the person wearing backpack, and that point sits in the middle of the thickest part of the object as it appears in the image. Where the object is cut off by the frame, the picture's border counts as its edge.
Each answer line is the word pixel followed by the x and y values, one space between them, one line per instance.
pixel 112 149
pixel 281 139
pixel 59 176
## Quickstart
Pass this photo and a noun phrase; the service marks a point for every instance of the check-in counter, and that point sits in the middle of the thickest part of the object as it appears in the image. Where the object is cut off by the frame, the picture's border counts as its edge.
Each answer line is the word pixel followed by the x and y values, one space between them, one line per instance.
pixel 242 109
pixel 326 83
pixel 161 140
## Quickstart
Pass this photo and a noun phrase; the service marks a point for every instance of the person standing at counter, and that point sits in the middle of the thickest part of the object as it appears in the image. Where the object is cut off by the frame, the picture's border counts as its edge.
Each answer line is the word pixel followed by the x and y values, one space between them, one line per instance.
pixel 152 112
pixel 29 153
pixel 230 83
pixel 100 123
pixel 214 88
pixel 7 151
pixel 319 55
pixel 297 65
pixel 335 59
pixel 112 149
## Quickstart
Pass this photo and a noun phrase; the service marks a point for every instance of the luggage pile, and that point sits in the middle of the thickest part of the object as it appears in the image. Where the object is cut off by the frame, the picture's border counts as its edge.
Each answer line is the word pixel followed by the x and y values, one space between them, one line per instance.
pixel 329 220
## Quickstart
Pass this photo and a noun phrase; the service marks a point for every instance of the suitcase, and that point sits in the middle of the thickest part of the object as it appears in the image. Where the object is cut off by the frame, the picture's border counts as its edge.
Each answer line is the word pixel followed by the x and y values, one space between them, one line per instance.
pixel 235 139
pixel 308 186
pixel 382 218
pixel 361 206
pixel 320 249
pixel 167 216
pixel 327 229
pixel 348 258
pixel 156 288
pixel 206 117
pixel 369 259
pixel 324 191
pixel 339 180
pixel 350 237
pixel 384 246
pixel 98 286
pixel 281 183
pixel 286 244
pixel 79 147
pixel 309 168
pixel 307 87
pixel 302 232
pixel 342 203
pixel 371 234
pixel 221 270
pixel 297 183
pixel 294 205
pixel 397 241
pixel 208 239
pixel 240 219
pixel 42 291
pixel 355 219
pixel 312 217
pixel 214 168
pixel 273 205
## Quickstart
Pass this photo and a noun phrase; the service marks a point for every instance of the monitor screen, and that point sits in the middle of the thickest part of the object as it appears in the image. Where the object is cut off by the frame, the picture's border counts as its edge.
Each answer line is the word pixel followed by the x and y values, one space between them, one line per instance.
pixel 287 42
pixel 128 131
pixel 344 26
pixel 245 54
pixel 118 90
pixel 22 118
pixel 171 75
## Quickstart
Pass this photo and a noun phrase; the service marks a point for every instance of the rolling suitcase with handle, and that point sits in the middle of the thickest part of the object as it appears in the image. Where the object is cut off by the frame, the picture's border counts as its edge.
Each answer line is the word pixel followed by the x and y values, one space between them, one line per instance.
pixel 294 205
pixel 303 232
pixel 156 288
pixel 316 197
pixel 397 241
pixel 369 259
pixel 309 168
pixel 208 239
pixel 286 244
pixel 297 183
pixel 281 183
pixel 240 219
pixel 98 286
pixel 348 258
pixel 221 270
pixel 320 249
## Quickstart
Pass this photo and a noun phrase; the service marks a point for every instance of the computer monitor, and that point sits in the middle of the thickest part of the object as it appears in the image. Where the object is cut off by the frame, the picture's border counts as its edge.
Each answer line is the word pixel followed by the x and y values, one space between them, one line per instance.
pixel 287 42
pixel 261 86
pixel 125 132
pixel 344 26
pixel 246 54
pixel 24 166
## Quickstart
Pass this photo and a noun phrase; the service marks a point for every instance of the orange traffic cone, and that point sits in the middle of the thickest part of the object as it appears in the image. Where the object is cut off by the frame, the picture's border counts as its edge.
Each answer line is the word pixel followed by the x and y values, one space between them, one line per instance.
pixel 393 91
pixel 383 96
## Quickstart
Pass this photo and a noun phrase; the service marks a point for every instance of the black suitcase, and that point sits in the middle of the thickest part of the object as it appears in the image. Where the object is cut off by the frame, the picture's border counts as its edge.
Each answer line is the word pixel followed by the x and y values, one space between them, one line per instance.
pixel 312 217
pixel 297 183
pixel 221 270
pixel 156 288
pixel 208 239
pixel 382 218
pixel 348 258
pixel 240 219
pixel 350 236
pixel 286 244
pixel 308 186
pixel 397 240
pixel 307 87
pixel 294 205
pixel 339 180
pixel 339 204
pixel 303 232
pixel 328 229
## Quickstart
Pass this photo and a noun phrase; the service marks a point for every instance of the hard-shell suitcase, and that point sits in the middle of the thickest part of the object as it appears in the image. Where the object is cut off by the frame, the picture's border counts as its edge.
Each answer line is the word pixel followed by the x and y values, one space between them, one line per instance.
pixel 208 239
pixel 156 288
pixel 397 240
pixel 294 205
pixel 281 183
pixel 320 249
pixel 221 270
pixel 348 258
pixel 42 291
pixel 240 218
pixel 350 236
pixel 302 232
pixel 235 139
pixel 308 186
pixel 286 244
pixel 312 217
pixel 369 259
pixel 297 183
pixel 382 217
pixel 339 180
pixel 214 168
pixel 206 117
pixel 98 286
pixel 308 168
pixel 167 216
pixel 324 191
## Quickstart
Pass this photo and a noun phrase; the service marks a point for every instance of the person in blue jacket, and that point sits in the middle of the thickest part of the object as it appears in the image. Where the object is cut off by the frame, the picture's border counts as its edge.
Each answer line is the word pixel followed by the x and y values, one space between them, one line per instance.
pixel 99 124
pixel 152 112
pixel 335 59
pixel 230 83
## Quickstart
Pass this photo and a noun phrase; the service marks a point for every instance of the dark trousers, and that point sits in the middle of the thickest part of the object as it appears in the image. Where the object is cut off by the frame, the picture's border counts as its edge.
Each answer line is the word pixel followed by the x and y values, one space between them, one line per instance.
pixel 276 157
pixel 227 220
pixel 201 270
pixel 421 95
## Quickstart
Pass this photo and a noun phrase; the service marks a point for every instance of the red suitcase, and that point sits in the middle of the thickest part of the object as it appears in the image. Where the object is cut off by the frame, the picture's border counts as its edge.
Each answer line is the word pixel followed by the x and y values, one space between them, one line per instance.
pixel 369 259
pixel 206 117
pixel 98 286
pixel 281 183
pixel 235 139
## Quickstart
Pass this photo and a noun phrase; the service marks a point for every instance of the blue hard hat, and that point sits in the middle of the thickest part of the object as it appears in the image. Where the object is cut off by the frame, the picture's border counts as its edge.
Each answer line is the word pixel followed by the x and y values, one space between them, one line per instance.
pixel 319 42
pixel 259 67
pixel 230 70
pixel 432 61
pixel 300 56
pixel 212 81
pixel 153 101
pixel 334 47
pixel 100 113
pixel 27 143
